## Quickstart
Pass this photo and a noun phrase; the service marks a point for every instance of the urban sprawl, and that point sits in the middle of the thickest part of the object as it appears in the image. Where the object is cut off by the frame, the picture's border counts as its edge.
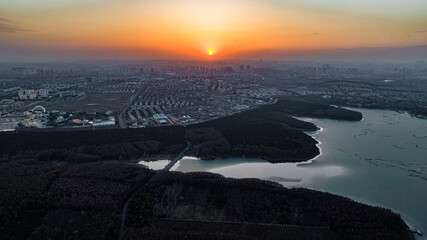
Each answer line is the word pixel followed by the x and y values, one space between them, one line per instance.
pixel 157 93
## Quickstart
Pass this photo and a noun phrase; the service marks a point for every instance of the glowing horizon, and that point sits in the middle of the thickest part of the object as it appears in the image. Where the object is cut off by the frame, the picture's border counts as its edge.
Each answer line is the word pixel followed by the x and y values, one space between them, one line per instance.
pixel 189 27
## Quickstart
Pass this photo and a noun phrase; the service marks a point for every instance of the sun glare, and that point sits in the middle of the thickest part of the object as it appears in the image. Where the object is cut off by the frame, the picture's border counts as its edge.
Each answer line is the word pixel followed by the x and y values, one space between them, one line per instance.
pixel 211 52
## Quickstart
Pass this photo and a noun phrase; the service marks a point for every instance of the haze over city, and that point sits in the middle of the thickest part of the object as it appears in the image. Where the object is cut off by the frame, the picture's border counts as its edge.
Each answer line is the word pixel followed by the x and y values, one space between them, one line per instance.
pixel 187 29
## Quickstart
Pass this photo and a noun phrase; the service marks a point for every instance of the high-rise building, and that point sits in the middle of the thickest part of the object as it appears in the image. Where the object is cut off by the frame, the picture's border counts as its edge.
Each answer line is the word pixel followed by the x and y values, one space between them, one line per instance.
pixel 228 70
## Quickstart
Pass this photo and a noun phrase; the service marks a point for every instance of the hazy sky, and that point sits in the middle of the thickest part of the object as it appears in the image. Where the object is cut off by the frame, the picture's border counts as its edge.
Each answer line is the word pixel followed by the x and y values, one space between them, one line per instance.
pixel 188 28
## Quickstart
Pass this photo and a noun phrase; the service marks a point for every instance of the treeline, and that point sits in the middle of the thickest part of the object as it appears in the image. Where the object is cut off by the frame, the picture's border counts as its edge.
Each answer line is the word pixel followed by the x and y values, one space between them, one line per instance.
pixel 299 107
pixel 420 112
pixel 82 146
pixel 266 132
pixel 255 133
pixel 20 188
pixel 93 186
pixel 412 106
pixel 113 151
pixel 196 234
pixel 209 142
pixel 204 197
pixel 276 115
pixel 47 201
pixel 210 231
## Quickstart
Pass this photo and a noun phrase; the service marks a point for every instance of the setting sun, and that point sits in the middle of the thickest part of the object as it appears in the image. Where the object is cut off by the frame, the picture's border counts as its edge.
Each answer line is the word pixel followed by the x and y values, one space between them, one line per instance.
pixel 50 29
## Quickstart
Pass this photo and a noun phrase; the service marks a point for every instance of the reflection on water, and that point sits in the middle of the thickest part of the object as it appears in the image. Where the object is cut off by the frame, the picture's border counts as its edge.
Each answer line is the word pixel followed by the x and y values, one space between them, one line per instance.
pixel 381 160
pixel 288 174
pixel 155 165
pixel 386 161
pixel 192 164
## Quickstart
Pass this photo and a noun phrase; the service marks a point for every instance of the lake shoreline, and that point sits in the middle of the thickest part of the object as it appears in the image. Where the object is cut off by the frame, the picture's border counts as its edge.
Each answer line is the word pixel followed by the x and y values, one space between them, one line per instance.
pixel 396 125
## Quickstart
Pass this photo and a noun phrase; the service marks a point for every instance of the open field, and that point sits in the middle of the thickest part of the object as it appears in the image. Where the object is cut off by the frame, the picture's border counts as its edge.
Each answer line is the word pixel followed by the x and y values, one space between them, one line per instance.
pixel 8 79
pixel 92 102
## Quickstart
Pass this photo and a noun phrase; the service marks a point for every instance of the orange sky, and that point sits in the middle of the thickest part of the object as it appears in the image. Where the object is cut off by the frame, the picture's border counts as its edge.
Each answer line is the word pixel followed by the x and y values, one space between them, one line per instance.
pixel 189 28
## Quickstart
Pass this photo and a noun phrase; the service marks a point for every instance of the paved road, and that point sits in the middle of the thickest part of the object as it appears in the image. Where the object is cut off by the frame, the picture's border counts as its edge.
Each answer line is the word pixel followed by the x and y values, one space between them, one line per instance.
pixel 122 118
pixel 136 188
pixel 167 168
pixel 170 165
pixel 245 223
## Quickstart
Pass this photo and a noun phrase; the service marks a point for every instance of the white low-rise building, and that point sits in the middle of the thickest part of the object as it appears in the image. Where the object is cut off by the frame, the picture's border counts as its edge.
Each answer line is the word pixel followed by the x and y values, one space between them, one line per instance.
pixel 26 94
pixel 44 93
